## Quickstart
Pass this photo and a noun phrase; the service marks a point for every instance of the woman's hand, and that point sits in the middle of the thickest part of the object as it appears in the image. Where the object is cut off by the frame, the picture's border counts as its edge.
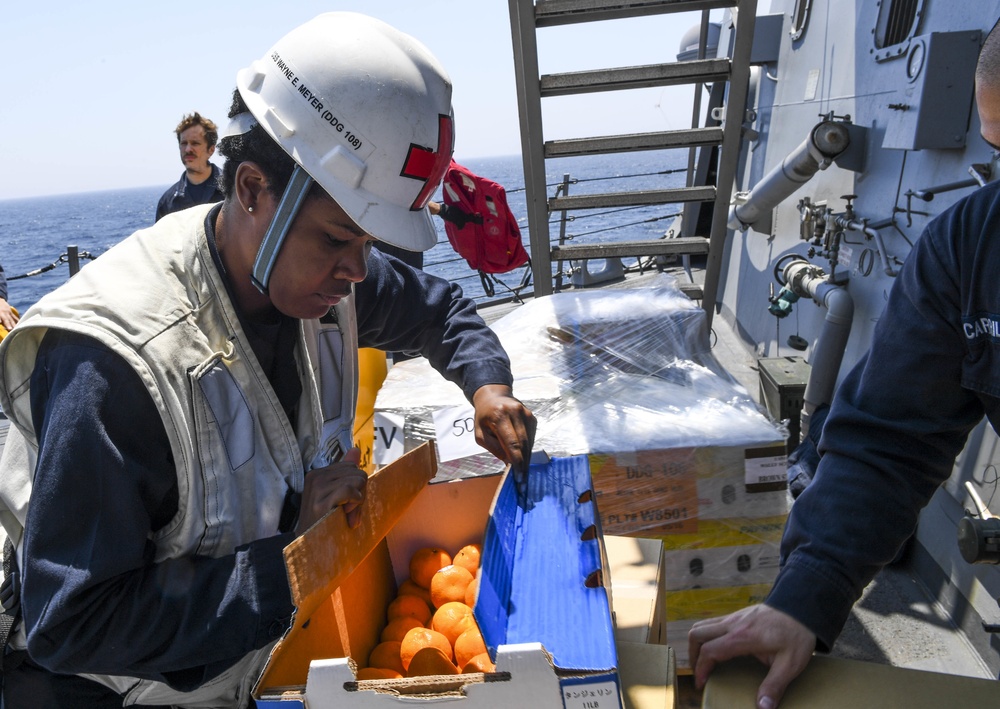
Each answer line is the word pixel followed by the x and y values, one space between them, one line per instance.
pixel 342 484
pixel 504 426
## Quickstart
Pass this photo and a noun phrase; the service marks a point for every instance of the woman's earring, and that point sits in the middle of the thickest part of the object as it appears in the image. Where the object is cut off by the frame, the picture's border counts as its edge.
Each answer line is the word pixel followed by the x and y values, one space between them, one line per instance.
pixel 250 209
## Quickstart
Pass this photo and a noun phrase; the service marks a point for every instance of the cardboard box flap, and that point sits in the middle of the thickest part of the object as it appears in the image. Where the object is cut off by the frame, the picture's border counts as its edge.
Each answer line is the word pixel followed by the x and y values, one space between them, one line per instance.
pixel 835 682
pixel 319 560
pixel 542 578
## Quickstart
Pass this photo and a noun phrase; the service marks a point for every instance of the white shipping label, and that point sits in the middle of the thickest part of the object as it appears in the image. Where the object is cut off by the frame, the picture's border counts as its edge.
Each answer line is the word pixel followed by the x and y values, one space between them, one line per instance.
pixel 591 695
pixel 388 437
pixel 767 469
pixel 455 430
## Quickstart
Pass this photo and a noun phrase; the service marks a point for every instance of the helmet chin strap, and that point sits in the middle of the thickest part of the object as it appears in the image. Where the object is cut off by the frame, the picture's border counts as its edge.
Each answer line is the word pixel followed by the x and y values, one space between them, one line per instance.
pixel 292 199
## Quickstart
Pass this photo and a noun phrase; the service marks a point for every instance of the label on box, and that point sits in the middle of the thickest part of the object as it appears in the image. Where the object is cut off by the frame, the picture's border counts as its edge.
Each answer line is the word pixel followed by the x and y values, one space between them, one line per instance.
pixel 766 468
pixel 388 437
pixel 645 490
pixel 455 430
pixel 595 694
pixel 725 498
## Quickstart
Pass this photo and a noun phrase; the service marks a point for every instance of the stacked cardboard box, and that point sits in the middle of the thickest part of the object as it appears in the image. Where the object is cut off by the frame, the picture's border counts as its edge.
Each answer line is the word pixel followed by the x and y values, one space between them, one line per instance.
pixel 678 450
pixel 720 535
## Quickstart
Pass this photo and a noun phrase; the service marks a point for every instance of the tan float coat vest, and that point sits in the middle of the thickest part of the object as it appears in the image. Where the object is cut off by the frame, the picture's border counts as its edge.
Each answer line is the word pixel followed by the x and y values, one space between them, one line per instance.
pixel 158 300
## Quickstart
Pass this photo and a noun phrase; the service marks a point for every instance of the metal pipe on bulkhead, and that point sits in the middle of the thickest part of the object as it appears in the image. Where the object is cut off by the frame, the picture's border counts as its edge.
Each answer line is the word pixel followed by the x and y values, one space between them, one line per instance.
pixel 828 350
pixel 826 141
pixel 856 225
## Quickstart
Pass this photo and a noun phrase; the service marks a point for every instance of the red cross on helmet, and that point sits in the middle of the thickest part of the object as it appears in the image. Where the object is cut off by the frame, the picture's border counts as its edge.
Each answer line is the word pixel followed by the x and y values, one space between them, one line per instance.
pixel 365 110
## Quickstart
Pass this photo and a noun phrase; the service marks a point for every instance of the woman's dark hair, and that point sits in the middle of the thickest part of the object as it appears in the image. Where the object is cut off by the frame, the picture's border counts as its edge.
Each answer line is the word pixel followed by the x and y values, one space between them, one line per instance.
pixel 256 146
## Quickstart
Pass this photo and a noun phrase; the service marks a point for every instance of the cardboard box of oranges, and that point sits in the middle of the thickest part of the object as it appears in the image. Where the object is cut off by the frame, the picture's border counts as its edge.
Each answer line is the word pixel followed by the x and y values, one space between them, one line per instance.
pixel 541 603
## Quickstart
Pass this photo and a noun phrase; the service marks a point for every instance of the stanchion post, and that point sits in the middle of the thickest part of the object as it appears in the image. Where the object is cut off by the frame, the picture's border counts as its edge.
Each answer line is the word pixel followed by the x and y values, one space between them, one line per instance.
pixel 73 254
pixel 564 190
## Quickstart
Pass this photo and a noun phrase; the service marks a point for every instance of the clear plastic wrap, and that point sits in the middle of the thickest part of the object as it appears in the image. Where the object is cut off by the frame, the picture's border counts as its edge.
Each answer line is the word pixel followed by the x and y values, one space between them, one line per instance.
pixel 612 370
pixel 678 449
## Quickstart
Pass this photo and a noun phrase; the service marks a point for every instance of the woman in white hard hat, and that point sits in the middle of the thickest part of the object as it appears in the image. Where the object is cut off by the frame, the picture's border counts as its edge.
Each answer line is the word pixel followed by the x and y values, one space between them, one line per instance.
pixel 182 408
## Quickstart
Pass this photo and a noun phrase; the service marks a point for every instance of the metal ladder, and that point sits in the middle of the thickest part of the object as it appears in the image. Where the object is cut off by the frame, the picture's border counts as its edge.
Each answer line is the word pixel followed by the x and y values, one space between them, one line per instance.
pixel 526 16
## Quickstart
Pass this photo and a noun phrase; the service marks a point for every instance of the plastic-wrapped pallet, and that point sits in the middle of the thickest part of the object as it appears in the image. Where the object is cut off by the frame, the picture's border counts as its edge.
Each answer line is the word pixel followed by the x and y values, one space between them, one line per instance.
pixel 627 376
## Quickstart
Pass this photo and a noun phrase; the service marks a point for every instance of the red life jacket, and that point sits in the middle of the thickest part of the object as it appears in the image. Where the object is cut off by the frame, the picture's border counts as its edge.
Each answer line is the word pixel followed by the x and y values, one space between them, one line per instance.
pixel 494 246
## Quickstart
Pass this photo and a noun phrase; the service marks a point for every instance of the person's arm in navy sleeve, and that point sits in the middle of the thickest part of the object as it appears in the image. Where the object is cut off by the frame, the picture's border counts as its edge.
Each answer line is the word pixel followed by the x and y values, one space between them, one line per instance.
pixel 404 309
pixel 896 424
pixel 894 430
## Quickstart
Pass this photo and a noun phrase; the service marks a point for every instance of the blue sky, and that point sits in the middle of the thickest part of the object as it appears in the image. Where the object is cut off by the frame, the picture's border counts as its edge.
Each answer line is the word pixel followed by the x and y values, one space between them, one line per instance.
pixel 92 91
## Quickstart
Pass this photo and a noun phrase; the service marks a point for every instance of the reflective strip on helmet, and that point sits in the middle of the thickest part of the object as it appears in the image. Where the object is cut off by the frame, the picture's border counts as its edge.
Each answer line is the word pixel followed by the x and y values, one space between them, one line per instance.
pixel 295 194
pixel 430 165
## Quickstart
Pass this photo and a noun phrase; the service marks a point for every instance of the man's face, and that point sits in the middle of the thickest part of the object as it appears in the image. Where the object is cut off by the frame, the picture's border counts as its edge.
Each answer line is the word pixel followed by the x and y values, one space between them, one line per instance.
pixel 988 105
pixel 194 148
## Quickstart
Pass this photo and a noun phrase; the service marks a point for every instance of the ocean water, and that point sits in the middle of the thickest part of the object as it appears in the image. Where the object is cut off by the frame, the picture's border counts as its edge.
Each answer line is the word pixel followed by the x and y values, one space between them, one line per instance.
pixel 36 233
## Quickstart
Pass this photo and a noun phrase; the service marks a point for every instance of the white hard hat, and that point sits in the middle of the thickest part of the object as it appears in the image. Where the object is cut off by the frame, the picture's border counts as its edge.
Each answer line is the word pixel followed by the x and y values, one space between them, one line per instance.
pixel 366 111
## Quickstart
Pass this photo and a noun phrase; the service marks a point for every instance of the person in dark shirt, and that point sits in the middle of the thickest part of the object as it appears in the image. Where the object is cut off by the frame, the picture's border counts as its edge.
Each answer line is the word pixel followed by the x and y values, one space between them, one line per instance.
pixel 884 450
pixel 183 407
pixel 199 183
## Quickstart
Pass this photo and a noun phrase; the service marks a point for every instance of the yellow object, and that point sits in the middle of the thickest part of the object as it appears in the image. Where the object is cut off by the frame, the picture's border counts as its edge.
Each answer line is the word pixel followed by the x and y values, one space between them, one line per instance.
pixel 372 369
pixel 4 331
